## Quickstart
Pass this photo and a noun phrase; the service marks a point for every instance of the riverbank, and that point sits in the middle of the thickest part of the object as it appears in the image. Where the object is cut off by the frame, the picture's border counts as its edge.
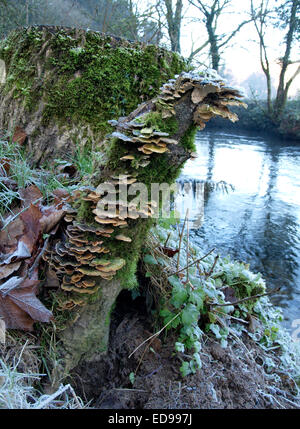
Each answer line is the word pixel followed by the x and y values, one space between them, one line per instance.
pixel 254 119
pixel 200 336
pixel 241 358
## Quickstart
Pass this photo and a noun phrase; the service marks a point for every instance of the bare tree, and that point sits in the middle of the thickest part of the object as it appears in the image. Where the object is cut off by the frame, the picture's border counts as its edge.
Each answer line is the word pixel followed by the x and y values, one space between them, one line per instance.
pixel 174 20
pixel 285 16
pixel 210 13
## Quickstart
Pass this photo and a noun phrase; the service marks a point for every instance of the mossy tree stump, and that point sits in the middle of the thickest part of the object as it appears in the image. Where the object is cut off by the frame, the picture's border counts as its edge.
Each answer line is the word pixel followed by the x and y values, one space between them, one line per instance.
pixel 63 85
pixel 96 251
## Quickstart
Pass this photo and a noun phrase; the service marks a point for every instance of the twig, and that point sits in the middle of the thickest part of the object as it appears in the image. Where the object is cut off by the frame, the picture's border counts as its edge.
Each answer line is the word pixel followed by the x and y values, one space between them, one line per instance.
pixel 154 335
pixel 232 317
pixel 129 390
pixel 37 260
pixel 187 246
pixel 61 390
pixel 180 240
pixel 213 267
pixel 166 242
pixel 191 264
pixel 247 299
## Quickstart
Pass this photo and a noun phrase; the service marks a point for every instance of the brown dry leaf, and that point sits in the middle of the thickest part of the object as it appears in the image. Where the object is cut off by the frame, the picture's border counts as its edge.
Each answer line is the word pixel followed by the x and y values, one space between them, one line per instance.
pixel 50 218
pixel 19 306
pixel 4 166
pixel 229 293
pixel 7 270
pixel 61 196
pixel 51 279
pixel 68 168
pixel 19 136
pixel 9 236
pixel 168 251
pixel 33 229
pixel 22 252
pixel 2 332
pixel 30 194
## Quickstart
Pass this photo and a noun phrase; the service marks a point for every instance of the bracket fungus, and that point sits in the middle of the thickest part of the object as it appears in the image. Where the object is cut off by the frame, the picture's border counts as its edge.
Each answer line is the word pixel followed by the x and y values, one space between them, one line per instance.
pixel 190 100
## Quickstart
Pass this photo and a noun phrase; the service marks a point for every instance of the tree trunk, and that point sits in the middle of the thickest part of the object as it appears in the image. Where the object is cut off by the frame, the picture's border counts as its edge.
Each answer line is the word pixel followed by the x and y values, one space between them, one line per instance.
pixel 174 18
pixel 96 250
pixel 282 90
pixel 63 85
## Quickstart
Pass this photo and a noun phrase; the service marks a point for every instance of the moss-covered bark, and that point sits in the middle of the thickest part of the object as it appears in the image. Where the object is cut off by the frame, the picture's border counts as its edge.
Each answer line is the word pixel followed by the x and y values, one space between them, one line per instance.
pixel 63 85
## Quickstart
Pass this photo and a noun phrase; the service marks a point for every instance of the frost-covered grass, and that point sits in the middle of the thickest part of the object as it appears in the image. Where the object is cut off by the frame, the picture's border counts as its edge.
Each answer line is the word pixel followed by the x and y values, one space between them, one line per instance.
pixel 20 380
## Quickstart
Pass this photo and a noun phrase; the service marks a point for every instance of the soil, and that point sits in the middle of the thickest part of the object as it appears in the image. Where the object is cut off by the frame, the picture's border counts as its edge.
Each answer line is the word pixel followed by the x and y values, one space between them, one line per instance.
pixel 230 378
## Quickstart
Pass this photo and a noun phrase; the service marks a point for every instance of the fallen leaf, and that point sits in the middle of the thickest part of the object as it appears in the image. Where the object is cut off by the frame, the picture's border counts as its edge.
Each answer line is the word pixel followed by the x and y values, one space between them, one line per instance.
pixel 61 196
pixel 9 236
pixel 29 195
pixel 50 218
pixel 22 252
pixel 4 166
pixel 168 251
pixel 33 229
pixel 7 270
pixel 19 136
pixel 19 306
pixel 68 168
pixel 229 294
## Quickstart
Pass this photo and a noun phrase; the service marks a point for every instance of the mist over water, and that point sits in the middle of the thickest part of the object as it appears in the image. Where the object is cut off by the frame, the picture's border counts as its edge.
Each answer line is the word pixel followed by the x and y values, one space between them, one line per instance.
pixel 259 222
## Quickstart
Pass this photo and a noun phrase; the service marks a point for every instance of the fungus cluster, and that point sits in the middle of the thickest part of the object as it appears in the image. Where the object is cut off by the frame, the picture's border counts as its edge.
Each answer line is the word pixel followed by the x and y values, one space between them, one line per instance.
pixel 82 256
pixel 79 258
pixel 209 97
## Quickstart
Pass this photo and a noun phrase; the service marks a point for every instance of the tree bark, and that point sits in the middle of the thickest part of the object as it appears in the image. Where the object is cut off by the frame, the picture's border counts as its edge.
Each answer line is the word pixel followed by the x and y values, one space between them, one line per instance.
pixel 64 84
pixel 283 87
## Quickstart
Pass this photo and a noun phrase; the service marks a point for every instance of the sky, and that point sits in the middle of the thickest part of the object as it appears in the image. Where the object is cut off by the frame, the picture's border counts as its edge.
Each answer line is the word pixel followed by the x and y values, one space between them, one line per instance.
pixel 242 57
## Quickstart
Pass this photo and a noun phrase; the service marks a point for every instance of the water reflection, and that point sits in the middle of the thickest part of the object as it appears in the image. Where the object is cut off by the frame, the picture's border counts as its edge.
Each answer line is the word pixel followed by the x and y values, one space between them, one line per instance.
pixel 259 222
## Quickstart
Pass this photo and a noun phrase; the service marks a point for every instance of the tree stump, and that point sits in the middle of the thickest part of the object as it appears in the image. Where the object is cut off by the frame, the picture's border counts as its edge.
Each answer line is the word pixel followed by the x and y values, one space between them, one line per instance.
pixel 96 250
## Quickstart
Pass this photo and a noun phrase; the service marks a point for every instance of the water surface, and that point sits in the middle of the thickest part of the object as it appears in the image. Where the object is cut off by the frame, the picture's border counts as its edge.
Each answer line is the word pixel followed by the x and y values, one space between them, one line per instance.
pixel 258 222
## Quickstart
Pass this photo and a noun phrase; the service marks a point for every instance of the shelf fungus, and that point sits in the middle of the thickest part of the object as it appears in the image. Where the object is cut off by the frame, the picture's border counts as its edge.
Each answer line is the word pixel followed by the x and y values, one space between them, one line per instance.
pixel 99 225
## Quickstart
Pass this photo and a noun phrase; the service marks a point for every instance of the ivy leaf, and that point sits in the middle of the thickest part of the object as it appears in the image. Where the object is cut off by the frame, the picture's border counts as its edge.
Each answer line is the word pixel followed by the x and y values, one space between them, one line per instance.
pixel 149 259
pixel 168 316
pixel 216 330
pixel 190 314
pixel 197 346
pixel 179 347
pixel 132 378
pixel 196 298
pixel 179 296
pixel 185 369
pixel 197 360
pixel 174 281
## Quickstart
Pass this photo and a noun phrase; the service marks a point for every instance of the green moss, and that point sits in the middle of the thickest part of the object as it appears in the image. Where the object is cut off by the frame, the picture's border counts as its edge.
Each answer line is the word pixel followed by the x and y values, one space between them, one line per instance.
pixel 137 230
pixel 85 79
pixel 155 120
pixel 157 169
pixel 84 212
pixel 188 140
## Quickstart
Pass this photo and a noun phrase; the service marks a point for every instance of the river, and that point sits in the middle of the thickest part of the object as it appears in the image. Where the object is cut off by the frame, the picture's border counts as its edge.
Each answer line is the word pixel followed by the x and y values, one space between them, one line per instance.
pixel 259 221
